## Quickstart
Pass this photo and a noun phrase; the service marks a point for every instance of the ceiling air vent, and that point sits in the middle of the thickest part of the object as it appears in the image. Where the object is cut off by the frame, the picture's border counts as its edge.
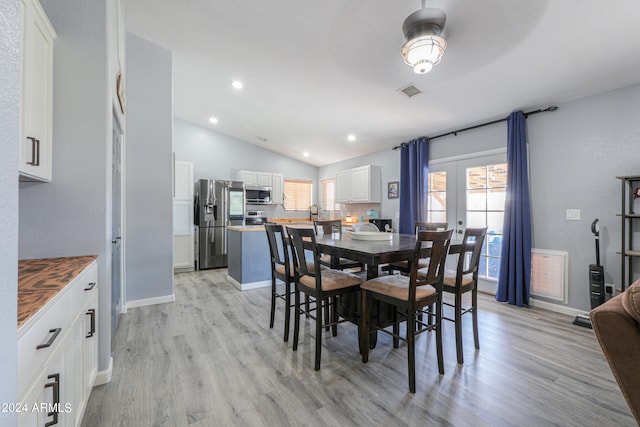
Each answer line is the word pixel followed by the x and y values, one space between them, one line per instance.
pixel 410 90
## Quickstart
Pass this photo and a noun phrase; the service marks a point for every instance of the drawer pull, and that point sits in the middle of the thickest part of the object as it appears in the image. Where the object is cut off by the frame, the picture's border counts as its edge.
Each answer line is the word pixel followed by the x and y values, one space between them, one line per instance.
pixel 90 286
pixel 92 312
pixel 56 398
pixel 52 338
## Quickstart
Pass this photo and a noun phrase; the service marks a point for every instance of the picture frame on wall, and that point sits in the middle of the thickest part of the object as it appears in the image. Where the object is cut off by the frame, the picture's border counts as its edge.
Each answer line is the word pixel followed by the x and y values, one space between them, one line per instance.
pixel 393 190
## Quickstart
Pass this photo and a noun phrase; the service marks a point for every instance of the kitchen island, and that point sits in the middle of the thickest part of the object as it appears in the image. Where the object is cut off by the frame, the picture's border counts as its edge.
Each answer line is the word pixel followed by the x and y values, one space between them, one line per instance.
pixel 249 264
pixel 249 259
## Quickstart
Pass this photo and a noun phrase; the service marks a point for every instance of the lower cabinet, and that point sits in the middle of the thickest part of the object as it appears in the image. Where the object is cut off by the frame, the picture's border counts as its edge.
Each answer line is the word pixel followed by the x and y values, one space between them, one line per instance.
pixel 55 377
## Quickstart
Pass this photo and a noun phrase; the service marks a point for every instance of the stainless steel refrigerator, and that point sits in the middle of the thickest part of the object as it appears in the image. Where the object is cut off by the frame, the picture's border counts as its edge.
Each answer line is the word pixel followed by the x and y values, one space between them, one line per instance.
pixel 217 204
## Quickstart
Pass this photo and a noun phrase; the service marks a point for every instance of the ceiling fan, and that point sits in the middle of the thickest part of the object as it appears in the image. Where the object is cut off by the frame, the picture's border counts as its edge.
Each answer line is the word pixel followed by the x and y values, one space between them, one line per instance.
pixel 425 44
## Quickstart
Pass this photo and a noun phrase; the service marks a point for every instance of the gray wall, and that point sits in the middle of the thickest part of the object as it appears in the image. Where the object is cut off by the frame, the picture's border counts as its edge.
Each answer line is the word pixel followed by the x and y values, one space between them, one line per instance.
pixel 389 162
pixel 9 134
pixel 575 155
pixel 148 171
pixel 71 215
pixel 218 156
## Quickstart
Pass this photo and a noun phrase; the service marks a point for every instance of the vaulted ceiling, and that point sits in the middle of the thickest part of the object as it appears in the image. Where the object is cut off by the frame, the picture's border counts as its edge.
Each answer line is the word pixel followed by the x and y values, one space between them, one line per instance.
pixel 314 72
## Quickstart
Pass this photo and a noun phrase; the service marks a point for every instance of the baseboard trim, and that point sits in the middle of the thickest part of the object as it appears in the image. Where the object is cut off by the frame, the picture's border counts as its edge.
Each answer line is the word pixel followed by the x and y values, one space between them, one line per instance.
pixel 248 286
pixel 151 301
pixel 562 309
pixel 103 377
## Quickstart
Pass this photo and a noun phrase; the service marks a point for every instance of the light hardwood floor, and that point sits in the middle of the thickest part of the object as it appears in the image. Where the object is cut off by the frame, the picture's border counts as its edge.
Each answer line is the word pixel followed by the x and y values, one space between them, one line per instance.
pixel 210 359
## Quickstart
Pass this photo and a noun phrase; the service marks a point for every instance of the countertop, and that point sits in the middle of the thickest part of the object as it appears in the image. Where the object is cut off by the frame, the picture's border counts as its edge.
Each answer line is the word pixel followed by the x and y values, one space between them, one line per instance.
pixel 243 228
pixel 39 280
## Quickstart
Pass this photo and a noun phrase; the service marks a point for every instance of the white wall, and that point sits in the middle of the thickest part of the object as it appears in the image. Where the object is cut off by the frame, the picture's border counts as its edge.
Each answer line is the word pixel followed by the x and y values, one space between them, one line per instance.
pixel 218 156
pixel 9 135
pixel 71 215
pixel 148 236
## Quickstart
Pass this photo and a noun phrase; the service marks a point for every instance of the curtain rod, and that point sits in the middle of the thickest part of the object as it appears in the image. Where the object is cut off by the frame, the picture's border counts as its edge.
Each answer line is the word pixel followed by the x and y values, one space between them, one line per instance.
pixel 493 122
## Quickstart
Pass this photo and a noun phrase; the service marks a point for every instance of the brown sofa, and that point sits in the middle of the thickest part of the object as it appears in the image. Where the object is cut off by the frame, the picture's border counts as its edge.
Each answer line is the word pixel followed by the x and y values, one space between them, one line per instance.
pixel 617 327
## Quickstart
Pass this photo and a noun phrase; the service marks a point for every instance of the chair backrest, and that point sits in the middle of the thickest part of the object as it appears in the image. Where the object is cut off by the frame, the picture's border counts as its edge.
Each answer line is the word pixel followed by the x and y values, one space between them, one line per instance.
pixel 469 257
pixel 439 242
pixel 328 226
pixel 278 246
pixel 303 240
pixel 430 226
pixel 365 226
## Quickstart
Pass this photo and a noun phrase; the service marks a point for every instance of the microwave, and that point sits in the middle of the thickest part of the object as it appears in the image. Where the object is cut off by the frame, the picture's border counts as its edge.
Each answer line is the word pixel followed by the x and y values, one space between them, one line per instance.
pixel 258 195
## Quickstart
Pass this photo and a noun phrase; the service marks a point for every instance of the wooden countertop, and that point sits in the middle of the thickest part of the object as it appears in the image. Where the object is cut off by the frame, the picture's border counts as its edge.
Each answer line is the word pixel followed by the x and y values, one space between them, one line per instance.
pixel 39 280
pixel 243 228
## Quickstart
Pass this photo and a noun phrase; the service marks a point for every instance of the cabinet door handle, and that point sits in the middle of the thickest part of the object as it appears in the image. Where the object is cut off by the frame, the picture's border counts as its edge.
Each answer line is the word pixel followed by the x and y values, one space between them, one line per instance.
pixel 90 286
pixel 52 338
pixel 92 313
pixel 35 151
pixel 56 398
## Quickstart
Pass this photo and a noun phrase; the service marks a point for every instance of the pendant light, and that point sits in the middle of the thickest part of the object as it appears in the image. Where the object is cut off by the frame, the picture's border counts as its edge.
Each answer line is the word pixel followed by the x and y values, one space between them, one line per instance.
pixel 425 45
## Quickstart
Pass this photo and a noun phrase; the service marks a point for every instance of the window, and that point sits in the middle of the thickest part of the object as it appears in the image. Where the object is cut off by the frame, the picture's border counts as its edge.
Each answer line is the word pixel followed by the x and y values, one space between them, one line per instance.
pixel 437 197
pixel 486 193
pixel 297 195
pixel 329 195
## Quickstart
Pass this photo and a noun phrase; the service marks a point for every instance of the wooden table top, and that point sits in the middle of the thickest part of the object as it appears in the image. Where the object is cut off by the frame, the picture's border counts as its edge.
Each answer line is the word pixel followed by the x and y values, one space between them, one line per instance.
pixel 39 280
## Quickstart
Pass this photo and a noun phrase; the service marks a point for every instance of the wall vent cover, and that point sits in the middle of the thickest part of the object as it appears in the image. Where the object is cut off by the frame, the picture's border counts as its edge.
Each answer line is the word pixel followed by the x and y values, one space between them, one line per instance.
pixel 410 91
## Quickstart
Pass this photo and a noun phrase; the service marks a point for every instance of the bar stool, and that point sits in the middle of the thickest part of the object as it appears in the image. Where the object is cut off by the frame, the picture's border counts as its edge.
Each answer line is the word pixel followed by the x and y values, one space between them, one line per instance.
pixel 325 286
pixel 410 295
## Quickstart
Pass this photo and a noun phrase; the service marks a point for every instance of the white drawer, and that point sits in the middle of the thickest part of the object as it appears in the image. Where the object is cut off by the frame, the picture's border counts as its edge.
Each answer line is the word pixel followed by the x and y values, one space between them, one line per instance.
pixel 46 329
pixel 84 287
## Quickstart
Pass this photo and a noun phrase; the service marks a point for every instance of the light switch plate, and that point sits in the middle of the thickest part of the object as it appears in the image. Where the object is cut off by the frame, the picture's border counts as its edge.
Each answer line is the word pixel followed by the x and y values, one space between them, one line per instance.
pixel 573 214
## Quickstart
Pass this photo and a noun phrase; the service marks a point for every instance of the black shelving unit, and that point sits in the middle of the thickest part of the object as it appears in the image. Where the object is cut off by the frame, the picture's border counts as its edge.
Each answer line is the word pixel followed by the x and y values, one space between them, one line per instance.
pixel 628 252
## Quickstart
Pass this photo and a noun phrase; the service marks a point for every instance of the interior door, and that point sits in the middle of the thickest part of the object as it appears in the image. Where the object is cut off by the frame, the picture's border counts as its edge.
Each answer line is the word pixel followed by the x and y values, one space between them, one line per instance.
pixel 470 192
pixel 116 227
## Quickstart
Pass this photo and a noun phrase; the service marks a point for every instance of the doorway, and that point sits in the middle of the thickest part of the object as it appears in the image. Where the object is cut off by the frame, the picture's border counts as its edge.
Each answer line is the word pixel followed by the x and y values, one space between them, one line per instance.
pixel 116 226
pixel 470 192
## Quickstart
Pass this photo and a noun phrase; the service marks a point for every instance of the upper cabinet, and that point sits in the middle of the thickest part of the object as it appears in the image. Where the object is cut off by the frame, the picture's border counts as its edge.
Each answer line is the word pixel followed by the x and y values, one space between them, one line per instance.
pixel 277 183
pixel 36 94
pixel 359 185
pixel 265 179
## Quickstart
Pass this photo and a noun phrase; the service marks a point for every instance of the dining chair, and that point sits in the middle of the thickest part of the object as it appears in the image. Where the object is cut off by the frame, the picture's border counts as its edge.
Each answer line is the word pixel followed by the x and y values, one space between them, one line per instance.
pixel 325 286
pixel 334 227
pixel 281 269
pixel 403 266
pixel 465 280
pixel 409 295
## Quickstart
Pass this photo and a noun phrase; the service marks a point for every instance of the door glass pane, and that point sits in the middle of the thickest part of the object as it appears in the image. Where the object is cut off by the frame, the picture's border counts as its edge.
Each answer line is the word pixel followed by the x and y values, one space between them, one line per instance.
pixel 486 195
pixel 437 197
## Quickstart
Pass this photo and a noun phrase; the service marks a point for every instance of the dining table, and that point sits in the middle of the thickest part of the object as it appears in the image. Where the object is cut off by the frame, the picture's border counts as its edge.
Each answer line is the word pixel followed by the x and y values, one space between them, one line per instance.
pixel 373 254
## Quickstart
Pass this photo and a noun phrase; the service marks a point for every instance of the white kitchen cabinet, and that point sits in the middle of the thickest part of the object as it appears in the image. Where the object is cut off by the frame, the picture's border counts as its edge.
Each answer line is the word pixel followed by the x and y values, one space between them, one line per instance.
pixel 36 71
pixel 57 355
pixel 183 235
pixel 359 185
pixel 277 183
pixel 265 179
pixel 343 187
pixel 248 177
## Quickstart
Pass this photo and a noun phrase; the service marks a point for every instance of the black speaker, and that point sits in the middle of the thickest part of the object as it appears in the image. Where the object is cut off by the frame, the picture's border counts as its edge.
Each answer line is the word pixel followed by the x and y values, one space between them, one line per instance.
pixel 596 285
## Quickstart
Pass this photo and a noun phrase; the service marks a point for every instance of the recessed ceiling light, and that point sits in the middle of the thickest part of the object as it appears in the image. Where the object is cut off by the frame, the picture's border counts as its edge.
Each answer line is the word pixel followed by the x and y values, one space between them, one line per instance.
pixel 305 154
pixel 213 120
pixel 237 84
pixel 351 137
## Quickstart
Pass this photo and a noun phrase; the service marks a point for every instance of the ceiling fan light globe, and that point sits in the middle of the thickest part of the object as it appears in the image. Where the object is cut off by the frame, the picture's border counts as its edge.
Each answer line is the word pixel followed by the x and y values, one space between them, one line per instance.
pixel 422 67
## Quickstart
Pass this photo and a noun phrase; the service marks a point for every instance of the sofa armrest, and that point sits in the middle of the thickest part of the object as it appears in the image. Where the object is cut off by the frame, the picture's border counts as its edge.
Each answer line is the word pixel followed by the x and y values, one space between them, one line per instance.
pixel 619 336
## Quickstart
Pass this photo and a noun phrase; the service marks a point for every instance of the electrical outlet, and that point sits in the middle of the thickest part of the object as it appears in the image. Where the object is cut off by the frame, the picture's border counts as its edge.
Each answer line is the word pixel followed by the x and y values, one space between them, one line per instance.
pixel 609 289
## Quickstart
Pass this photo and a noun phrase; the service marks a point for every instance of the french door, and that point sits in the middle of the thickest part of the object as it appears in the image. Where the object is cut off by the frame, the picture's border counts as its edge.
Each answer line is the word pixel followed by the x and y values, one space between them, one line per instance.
pixel 470 192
